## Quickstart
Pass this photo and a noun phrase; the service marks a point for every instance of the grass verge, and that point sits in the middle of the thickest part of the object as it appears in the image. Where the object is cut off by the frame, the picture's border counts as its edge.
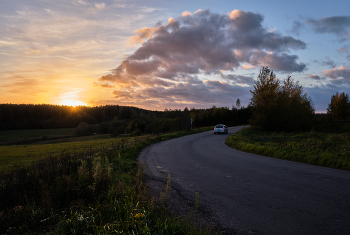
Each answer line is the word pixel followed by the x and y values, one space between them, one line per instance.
pixel 323 149
pixel 91 190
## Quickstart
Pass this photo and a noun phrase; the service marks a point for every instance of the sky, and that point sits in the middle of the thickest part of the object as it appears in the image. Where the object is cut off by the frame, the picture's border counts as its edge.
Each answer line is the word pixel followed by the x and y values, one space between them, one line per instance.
pixel 160 54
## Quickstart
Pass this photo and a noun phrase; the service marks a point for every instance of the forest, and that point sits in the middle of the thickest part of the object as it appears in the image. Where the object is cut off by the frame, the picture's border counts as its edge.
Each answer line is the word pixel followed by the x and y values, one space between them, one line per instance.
pixel 115 119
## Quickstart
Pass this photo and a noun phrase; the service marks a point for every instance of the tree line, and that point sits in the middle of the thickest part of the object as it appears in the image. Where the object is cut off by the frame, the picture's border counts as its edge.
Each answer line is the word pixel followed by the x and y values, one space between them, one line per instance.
pixel 281 105
pixel 117 119
pixel 275 105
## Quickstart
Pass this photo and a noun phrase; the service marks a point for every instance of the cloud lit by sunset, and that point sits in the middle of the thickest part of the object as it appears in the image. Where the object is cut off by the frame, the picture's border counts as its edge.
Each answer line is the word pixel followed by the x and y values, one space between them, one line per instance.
pixel 167 55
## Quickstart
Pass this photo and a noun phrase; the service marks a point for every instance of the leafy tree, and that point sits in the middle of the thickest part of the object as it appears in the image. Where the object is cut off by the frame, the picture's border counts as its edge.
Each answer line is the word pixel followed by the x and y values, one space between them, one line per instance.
pixel 280 106
pixel 264 99
pixel 339 108
pixel 296 110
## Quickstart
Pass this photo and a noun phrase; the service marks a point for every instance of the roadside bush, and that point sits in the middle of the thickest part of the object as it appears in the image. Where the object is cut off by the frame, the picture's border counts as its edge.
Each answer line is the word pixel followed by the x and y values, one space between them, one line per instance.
pixel 152 128
pixel 136 132
pixel 102 127
pixel 84 129
pixel 121 130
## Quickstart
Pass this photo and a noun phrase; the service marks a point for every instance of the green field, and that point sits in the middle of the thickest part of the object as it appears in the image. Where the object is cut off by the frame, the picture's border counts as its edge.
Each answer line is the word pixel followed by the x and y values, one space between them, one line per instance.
pixel 34 134
pixel 14 155
pixel 43 143
pixel 88 185
pixel 323 149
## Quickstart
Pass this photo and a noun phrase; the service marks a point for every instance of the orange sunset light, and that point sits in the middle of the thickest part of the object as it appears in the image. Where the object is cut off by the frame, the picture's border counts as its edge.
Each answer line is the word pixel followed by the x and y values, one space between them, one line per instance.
pixel 74 103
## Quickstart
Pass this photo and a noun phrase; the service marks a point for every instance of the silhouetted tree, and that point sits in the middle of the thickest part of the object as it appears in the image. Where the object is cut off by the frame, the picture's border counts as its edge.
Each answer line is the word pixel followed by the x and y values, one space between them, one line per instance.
pixel 264 99
pixel 339 108
pixel 280 107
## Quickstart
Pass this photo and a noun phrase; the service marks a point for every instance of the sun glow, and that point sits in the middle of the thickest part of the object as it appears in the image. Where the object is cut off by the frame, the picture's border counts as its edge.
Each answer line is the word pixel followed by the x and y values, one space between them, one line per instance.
pixel 74 103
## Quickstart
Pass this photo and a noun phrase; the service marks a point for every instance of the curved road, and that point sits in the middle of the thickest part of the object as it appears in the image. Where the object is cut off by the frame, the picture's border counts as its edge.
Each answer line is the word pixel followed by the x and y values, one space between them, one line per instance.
pixel 248 192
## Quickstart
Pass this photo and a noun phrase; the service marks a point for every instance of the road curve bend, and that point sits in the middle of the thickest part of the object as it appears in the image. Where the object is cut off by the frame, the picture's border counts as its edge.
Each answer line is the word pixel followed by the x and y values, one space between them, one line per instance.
pixel 248 192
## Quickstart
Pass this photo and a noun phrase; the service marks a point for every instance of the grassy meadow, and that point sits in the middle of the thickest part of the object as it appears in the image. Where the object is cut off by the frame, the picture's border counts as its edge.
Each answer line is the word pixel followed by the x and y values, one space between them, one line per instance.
pixel 316 148
pixel 84 186
pixel 17 155
pixel 16 136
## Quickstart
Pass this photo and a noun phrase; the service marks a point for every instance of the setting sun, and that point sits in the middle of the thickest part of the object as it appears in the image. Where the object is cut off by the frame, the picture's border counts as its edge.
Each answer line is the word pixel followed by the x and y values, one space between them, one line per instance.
pixel 74 103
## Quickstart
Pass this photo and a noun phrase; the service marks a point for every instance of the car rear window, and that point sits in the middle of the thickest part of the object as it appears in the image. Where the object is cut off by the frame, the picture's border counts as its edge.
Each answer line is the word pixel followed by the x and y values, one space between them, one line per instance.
pixel 219 126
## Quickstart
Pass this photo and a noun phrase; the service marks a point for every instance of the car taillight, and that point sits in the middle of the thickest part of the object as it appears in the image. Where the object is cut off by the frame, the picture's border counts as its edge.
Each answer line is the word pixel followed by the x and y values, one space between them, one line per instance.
pixel 223 128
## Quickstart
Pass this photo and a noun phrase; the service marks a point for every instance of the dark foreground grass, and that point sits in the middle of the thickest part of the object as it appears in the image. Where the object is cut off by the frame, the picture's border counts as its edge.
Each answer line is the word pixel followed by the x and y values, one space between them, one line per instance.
pixel 323 149
pixel 95 191
pixel 35 134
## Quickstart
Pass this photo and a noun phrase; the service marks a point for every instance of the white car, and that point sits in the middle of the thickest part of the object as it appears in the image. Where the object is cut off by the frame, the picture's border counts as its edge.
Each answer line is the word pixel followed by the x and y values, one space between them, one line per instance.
pixel 220 128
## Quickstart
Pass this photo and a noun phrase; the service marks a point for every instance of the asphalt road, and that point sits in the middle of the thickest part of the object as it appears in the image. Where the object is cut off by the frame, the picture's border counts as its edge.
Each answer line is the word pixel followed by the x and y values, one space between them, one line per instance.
pixel 248 192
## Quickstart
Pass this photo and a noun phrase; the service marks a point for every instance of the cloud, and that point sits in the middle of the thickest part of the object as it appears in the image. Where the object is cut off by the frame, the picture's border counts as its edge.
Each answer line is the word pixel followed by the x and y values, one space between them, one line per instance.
pixel 100 6
pixel 142 35
pixel 326 62
pixel 104 85
pixel 297 26
pixel 173 56
pixel 338 25
pixel 238 79
pixel 278 61
pixel 82 2
pixel 329 62
pixel 344 49
pixel 315 77
pixel 186 13
pixel 205 94
pixel 340 76
pixel 205 42
pixel 21 84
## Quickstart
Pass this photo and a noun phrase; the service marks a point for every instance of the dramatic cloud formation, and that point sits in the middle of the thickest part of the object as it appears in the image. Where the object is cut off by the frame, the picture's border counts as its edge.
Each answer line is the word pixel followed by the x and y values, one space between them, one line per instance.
pixel 339 25
pixel 57 51
pixel 174 58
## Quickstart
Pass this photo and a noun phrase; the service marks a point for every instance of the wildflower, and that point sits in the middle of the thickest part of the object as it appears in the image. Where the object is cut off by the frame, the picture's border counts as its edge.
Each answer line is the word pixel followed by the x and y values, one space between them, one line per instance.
pixel 139 215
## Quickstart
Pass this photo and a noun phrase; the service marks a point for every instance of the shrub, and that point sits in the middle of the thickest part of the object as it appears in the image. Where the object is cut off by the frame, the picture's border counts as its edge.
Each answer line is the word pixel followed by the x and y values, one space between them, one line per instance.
pixel 84 129
pixel 136 132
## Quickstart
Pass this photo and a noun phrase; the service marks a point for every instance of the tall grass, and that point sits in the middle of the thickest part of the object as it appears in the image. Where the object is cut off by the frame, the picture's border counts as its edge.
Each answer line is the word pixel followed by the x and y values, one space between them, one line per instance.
pixel 94 191
pixel 323 149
